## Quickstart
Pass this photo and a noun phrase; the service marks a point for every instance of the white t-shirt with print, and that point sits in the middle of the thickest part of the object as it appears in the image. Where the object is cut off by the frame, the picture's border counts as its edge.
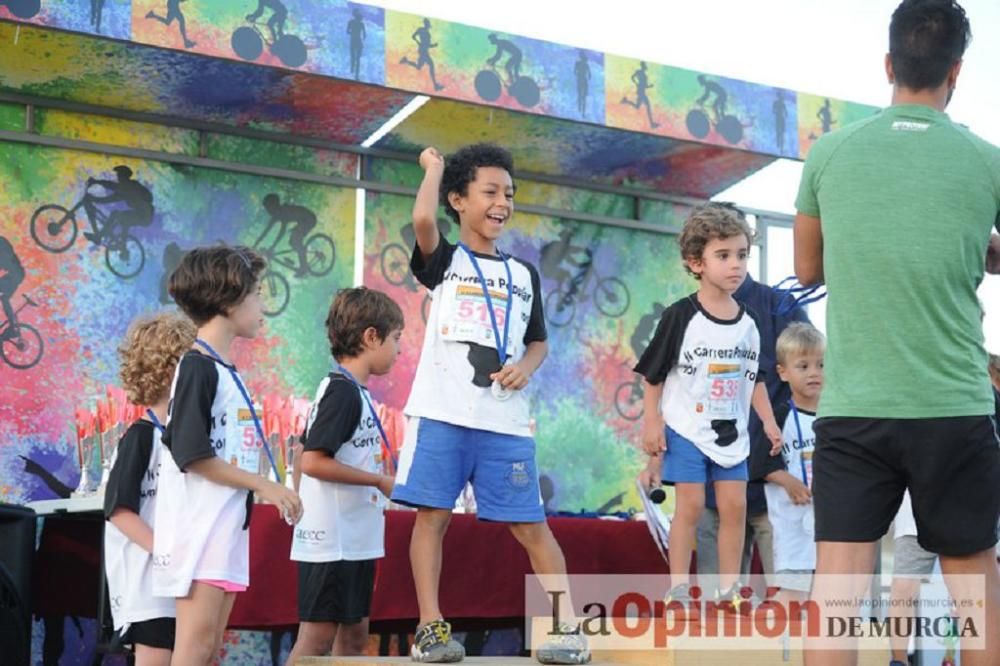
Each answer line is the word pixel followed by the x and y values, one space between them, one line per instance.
pixel 708 368
pixel 341 521
pixel 793 525
pixel 202 526
pixel 452 382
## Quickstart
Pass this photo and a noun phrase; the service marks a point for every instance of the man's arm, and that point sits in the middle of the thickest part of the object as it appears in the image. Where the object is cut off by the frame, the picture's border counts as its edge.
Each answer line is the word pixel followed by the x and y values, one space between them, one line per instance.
pixel 808 236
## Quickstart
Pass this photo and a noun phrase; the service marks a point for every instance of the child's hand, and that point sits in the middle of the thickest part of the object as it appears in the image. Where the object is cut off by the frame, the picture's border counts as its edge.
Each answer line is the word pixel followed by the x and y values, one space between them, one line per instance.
pixel 288 502
pixel 385 485
pixel 430 158
pixel 512 376
pixel 798 492
pixel 654 442
pixel 773 433
pixel 650 477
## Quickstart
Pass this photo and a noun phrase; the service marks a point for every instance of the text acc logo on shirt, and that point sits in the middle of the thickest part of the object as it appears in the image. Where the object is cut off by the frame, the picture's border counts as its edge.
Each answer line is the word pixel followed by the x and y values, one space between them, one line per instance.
pixel 312 536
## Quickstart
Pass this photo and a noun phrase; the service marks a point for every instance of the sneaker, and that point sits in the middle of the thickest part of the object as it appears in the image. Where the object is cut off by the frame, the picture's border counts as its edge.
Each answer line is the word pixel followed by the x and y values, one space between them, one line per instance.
pixel 433 644
pixel 568 647
pixel 681 594
pixel 738 598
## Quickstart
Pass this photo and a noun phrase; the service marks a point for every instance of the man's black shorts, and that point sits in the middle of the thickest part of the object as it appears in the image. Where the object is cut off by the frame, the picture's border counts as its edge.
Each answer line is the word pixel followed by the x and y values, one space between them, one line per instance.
pixel 951 466
pixel 338 592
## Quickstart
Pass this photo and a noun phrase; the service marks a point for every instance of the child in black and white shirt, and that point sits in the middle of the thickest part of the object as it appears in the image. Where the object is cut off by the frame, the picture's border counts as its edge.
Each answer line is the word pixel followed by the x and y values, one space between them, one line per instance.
pixel 202 549
pixel 701 377
pixel 148 356
pixel 342 533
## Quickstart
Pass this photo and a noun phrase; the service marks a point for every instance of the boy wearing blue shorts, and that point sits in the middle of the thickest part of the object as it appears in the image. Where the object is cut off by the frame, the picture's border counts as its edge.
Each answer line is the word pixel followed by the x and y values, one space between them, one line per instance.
pixel 469 416
pixel 701 376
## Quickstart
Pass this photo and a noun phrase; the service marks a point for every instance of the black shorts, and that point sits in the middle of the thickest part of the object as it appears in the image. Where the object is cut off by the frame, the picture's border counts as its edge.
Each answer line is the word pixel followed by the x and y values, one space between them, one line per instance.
pixel 157 633
pixel 951 466
pixel 338 592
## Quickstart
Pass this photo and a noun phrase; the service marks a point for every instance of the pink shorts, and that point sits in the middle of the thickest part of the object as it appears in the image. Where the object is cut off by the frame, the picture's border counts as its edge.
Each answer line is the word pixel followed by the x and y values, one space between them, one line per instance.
pixel 224 585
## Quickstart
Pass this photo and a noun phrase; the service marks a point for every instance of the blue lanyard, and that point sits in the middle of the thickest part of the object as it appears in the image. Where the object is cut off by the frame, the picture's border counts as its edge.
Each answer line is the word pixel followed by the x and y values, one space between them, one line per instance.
pixel 789 298
pixel 246 398
pixel 378 422
pixel 156 421
pixel 802 442
pixel 501 343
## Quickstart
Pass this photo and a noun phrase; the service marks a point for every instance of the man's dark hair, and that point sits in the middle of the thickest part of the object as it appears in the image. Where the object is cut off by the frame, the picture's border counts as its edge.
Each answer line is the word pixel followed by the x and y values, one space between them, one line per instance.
pixel 927 37
pixel 460 170
pixel 353 312
pixel 212 280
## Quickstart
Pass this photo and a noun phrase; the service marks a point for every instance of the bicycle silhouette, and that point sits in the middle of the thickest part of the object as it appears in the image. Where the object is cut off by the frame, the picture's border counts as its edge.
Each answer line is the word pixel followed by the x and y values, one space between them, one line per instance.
pixel 610 294
pixel 249 40
pixel 394 261
pixel 54 228
pixel 22 9
pixel 21 344
pixel 490 85
pixel 275 290
pixel 628 398
pixel 700 123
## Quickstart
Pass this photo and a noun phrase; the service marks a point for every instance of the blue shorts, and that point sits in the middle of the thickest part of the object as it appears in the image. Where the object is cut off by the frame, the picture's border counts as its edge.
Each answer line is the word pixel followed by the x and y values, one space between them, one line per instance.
pixel 685 463
pixel 439 458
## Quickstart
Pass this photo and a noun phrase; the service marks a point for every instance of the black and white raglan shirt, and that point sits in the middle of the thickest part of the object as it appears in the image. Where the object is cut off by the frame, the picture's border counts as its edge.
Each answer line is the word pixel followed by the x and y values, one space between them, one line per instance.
pixel 132 485
pixel 793 525
pixel 201 526
pixel 708 367
pixel 341 521
pixel 453 382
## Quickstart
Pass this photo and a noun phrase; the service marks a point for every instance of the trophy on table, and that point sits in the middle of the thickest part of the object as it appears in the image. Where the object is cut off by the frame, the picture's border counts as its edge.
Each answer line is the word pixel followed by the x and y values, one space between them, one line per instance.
pixel 87 450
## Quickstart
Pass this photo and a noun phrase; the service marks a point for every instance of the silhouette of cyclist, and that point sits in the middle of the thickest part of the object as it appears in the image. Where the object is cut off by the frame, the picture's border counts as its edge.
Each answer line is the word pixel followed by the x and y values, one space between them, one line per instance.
pixel 356 29
pixel 276 24
pixel 514 57
pixel 11 277
pixel 422 36
pixel 582 72
pixel 641 80
pixel 304 221
pixel 712 88
pixel 558 252
pixel 643 334
pixel 136 197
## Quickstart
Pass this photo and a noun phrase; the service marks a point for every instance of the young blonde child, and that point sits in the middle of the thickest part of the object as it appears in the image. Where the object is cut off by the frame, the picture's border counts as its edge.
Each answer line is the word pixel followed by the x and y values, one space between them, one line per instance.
pixel 148 355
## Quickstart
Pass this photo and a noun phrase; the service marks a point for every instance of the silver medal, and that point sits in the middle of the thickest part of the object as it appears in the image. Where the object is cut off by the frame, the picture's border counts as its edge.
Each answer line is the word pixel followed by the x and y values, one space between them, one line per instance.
pixel 499 392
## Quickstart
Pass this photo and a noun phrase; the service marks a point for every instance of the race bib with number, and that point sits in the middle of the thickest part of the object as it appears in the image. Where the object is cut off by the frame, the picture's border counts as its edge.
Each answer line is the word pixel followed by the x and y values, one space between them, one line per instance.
pixel 724 380
pixel 467 316
pixel 242 445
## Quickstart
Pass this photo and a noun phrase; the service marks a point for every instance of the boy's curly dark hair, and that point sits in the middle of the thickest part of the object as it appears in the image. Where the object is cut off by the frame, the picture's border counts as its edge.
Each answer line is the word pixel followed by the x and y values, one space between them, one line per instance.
pixel 716 220
pixel 460 170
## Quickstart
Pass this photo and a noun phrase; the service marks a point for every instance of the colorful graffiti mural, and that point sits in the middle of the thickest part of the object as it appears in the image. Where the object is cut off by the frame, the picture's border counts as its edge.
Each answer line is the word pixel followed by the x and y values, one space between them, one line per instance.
pixel 430 56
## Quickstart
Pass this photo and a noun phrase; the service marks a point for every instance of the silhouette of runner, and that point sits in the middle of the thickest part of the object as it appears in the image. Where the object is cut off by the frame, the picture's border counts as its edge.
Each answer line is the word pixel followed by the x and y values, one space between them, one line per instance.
pixel 712 88
pixel 582 72
pixel 96 9
pixel 780 118
pixel 825 115
pixel 136 197
pixel 276 24
pixel 422 36
pixel 642 84
pixel 514 57
pixel 356 29
pixel 11 277
pixel 173 14
pixel 304 221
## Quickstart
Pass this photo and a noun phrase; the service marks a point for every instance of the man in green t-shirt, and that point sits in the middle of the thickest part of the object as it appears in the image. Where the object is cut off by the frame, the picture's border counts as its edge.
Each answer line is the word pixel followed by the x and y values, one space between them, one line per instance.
pixel 895 215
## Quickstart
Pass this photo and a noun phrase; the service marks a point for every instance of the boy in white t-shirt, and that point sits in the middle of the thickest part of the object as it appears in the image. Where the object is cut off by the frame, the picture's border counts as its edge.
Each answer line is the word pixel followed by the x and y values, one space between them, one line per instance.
pixel 342 531
pixel 799 352
pixel 485 339
pixel 149 354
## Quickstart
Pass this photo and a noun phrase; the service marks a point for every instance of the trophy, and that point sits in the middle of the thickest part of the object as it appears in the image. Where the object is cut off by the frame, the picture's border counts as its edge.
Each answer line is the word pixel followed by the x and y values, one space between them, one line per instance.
pixel 87 448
